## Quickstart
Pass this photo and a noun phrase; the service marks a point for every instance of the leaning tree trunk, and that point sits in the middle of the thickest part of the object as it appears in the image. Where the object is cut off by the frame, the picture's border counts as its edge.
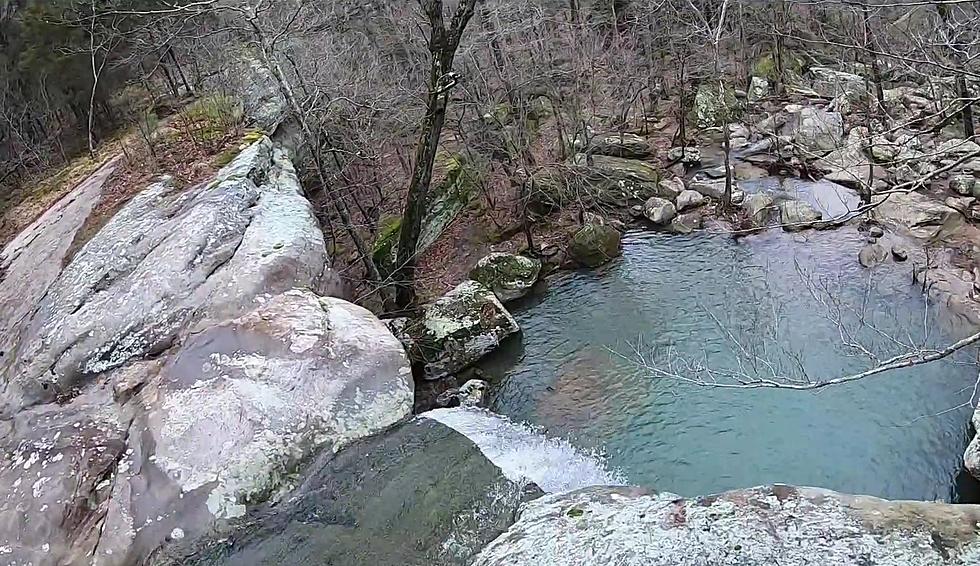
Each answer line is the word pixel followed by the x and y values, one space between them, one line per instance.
pixel 443 43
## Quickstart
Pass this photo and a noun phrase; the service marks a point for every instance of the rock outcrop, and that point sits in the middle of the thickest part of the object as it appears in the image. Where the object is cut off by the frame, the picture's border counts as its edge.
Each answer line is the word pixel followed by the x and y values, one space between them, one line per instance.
pixel 630 146
pixel 916 214
pixel 171 375
pixel 168 261
pixel 766 526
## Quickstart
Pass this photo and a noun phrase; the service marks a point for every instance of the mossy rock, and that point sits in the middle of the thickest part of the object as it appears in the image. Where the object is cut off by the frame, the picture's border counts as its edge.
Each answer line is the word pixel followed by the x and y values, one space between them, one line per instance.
pixel 594 245
pixel 385 246
pixel 510 276
pixel 715 105
pixel 766 67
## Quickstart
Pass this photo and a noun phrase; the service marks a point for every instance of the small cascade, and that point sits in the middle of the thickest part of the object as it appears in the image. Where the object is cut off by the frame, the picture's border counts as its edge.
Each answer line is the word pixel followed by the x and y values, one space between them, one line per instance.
pixel 523 453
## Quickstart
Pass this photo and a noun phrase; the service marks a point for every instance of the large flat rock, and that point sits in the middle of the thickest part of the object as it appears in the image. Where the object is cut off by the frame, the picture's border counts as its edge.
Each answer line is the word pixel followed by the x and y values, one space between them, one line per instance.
pixel 167 261
pixel 766 526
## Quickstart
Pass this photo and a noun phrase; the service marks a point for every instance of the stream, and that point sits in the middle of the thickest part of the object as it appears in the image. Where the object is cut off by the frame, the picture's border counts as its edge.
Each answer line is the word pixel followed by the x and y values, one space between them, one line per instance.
pixel 722 302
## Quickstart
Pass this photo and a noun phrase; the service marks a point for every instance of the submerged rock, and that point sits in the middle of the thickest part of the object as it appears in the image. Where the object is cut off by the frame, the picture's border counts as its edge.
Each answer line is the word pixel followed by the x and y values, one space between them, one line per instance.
pixel 796 215
pixel 659 211
pixel 764 526
pixel 461 327
pixel 419 494
pixel 872 254
pixel 594 245
pixel 510 276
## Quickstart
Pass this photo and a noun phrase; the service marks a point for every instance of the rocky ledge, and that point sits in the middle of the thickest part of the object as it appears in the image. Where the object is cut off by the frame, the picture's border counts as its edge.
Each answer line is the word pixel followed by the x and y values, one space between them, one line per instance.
pixel 180 367
pixel 764 526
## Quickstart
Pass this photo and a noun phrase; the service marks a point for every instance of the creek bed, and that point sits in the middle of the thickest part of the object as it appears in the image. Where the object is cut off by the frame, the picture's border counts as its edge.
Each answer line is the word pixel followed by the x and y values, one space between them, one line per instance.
pixel 895 435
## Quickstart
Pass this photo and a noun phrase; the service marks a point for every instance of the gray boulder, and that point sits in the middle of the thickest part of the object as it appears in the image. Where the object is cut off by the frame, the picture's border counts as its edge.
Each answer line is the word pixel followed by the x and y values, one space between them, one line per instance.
pixel 659 211
pixel 168 261
pixel 872 254
pixel 690 199
pixel 916 214
pixel 686 223
pixel 963 184
pixel 685 155
pixel 671 188
pixel 594 245
pixel 796 215
pixel 763 526
pixel 831 83
pixel 815 131
pixel 960 204
pixel 711 188
pixel 462 326
pixel 759 210
pixel 758 89
pixel 630 146
pixel 510 276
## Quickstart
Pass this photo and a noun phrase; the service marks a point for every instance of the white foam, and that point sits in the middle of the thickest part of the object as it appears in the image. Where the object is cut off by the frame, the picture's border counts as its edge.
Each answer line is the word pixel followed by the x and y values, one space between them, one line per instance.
pixel 523 453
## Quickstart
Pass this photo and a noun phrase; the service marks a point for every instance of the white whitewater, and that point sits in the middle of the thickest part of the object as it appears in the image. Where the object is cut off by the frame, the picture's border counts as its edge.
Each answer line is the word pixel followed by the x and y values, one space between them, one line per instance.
pixel 523 453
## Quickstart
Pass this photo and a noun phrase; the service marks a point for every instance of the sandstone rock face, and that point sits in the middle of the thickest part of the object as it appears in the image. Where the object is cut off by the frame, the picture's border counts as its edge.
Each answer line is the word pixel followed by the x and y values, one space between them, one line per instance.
pixel 463 326
pixel 509 276
pixel 167 261
pixel 171 375
pixel 766 526
pixel 32 261
pixel 225 420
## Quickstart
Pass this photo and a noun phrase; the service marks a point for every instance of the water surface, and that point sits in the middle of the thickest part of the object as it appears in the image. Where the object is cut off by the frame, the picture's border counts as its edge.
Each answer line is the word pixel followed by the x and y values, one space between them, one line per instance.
pixel 700 295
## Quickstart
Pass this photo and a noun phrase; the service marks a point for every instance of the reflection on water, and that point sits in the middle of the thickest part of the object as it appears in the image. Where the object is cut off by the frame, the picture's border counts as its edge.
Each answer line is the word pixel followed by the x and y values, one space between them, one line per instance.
pixel 879 436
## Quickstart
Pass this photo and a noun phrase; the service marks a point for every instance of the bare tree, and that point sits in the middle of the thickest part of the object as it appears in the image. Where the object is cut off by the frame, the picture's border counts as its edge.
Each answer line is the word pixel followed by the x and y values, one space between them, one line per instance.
pixel 443 42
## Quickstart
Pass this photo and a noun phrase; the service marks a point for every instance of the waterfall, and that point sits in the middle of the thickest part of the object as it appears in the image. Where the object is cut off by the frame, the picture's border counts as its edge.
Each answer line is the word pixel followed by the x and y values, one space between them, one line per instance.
pixel 523 453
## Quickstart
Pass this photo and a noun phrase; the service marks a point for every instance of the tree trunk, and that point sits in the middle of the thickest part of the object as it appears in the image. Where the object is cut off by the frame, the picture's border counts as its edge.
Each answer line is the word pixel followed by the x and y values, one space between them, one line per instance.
pixel 180 71
pixel 443 43
pixel 967 113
